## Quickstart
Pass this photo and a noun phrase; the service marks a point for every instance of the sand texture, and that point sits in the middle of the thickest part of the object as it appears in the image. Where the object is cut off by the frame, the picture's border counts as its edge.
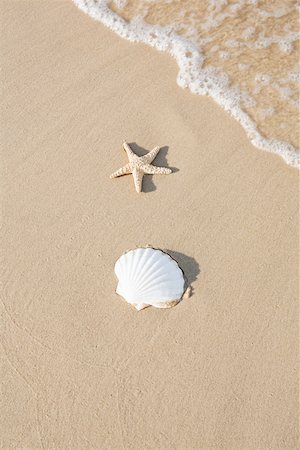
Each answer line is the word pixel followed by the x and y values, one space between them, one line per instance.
pixel 81 369
pixel 242 53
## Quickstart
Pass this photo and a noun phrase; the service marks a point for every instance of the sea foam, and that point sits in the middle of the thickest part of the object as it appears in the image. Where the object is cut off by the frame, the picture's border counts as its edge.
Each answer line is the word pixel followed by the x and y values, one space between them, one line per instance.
pixel 227 50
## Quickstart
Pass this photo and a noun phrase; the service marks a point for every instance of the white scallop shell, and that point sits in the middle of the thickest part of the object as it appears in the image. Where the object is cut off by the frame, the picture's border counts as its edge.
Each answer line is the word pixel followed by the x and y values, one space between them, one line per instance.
pixel 148 276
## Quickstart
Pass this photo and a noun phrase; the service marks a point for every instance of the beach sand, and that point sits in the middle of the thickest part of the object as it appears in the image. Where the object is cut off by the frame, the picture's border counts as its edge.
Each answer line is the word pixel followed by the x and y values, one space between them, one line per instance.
pixel 81 369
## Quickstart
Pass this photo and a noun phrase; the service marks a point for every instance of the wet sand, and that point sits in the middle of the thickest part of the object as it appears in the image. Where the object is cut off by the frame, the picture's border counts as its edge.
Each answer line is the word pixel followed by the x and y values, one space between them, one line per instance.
pixel 81 369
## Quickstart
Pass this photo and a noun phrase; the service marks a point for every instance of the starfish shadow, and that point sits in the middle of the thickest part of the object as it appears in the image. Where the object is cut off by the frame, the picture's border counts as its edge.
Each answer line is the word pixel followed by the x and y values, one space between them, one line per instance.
pixel 188 265
pixel 160 160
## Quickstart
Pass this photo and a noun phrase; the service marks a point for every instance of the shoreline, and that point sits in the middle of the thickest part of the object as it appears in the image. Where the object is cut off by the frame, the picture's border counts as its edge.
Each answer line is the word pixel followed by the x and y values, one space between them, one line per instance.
pixel 81 368
pixel 178 47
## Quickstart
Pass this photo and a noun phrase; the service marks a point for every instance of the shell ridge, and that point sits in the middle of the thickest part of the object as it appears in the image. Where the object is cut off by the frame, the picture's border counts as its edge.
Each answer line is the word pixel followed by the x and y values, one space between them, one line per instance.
pixel 134 264
pixel 123 264
pixel 161 282
pixel 132 259
pixel 174 294
pixel 156 274
pixel 149 264
pixel 153 267
pixel 148 276
pixel 154 281
pixel 141 262
pixel 158 255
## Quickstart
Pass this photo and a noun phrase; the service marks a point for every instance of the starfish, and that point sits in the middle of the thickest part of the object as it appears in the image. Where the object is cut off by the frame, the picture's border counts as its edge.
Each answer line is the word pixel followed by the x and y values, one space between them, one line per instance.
pixel 138 166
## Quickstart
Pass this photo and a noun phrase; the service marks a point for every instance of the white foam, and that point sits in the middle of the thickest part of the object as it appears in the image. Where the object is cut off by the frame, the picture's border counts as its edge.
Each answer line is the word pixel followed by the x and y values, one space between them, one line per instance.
pixel 263 78
pixel 232 43
pixel 285 43
pixel 120 3
pixel 224 55
pixel 249 32
pixel 217 16
pixel 294 76
pixel 192 73
pixel 268 112
pixel 280 12
pixel 243 66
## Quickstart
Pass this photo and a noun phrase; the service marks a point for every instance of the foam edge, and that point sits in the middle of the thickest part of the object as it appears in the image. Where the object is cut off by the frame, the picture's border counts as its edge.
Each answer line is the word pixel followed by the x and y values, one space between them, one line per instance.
pixel 199 80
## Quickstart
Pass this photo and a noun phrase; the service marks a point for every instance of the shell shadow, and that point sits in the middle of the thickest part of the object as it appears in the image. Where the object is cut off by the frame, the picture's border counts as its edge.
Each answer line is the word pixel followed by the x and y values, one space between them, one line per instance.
pixel 160 160
pixel 188 265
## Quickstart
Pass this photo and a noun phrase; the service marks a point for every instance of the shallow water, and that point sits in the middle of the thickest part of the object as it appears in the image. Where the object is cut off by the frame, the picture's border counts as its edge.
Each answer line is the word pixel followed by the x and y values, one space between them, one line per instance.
pixel 242 53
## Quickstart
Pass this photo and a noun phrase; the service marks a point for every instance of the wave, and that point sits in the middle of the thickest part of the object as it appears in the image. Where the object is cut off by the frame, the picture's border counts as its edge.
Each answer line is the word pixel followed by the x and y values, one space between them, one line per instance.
pixel 260 95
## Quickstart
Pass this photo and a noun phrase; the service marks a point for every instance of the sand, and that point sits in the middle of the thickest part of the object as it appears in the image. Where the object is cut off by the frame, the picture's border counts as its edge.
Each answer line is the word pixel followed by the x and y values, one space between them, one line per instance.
pixel 80 368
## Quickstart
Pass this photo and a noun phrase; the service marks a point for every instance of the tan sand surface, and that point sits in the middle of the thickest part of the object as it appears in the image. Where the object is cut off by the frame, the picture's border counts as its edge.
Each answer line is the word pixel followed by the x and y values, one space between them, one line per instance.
pixel 81 369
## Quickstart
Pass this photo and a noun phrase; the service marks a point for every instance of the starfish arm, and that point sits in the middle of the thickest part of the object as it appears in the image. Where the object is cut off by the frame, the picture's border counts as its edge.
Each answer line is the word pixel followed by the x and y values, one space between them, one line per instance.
pixel 123 171
pixel 151 170
pixel 138 179
pixel 151 155
pixel 131 155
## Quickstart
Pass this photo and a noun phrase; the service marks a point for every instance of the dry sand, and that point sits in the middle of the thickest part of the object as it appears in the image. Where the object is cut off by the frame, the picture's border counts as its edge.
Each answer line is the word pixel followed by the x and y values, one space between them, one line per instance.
pixel 80 368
